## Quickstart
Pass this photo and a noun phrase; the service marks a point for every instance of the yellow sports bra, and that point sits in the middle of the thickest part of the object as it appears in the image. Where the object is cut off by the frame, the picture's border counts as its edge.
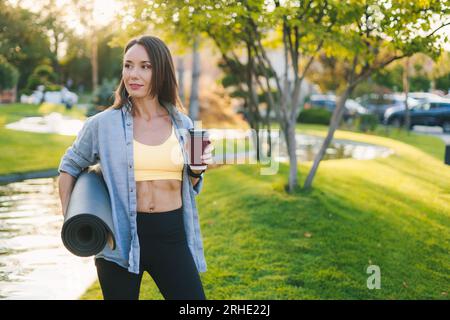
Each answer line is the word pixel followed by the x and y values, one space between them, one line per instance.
pixel 163 161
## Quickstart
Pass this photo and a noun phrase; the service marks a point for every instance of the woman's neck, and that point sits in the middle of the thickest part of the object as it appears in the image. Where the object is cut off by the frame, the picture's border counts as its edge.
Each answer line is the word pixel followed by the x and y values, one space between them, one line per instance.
pixel 148 108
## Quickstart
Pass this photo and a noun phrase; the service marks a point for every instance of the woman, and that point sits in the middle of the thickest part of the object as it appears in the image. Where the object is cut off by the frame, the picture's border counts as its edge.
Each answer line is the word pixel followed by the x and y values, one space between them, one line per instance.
pixel 142 144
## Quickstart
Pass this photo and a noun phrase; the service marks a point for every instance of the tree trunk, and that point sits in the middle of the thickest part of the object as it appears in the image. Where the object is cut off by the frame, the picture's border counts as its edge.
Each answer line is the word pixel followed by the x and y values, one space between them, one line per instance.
pixel 253 102
pixel 193 98
pixel 293 166
pixel 406 90
pixel 269 138
pixel 334 123
pixel 180 71
pixel 94 62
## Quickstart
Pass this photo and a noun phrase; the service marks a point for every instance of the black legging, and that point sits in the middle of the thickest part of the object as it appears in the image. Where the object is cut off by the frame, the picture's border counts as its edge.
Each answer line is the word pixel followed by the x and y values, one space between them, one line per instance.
pixel 165 255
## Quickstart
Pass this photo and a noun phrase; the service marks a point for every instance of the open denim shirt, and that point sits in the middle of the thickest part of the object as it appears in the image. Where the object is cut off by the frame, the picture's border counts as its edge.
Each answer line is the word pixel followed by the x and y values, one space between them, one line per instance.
pixel 107 137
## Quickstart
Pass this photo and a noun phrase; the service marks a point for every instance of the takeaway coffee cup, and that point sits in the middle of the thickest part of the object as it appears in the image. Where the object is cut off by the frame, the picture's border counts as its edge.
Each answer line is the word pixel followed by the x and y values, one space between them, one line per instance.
pixel 199 139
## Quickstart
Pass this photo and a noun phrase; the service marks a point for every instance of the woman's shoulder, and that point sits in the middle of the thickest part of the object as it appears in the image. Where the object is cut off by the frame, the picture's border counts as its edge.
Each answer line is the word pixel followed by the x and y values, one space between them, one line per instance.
pixel 107 115
pixel 185 119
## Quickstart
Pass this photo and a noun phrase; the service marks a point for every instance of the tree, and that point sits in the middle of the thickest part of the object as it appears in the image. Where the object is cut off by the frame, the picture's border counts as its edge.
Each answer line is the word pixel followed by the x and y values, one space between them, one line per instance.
pixel 77 65
pixel 372 34
pixel 8 74
pixel 85 8
pixel 440 74
pixel 300 28
pixel 22 41
pixel 52 18
pixel 406 92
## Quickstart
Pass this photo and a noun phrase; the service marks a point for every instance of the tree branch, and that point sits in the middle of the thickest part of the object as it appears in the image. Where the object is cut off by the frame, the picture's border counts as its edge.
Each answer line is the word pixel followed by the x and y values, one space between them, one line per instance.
pixel 436 30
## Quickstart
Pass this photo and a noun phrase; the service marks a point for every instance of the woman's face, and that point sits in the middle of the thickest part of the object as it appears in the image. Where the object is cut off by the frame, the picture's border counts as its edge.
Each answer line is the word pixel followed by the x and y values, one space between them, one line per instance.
pixel 137 71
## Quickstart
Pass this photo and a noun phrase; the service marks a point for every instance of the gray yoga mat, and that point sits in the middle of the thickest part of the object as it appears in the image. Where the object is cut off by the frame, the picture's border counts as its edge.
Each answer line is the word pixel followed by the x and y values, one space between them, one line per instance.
pixel 88 225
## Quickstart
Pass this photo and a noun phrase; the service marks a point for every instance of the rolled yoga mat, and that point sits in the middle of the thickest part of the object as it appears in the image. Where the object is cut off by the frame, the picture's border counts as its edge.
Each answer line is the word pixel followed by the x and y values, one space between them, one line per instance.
pixel 88 225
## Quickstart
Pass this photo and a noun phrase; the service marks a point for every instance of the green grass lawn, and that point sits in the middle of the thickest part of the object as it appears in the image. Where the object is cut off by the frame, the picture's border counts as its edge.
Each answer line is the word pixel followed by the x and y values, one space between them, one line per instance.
pixel 28 151
pixel 261 243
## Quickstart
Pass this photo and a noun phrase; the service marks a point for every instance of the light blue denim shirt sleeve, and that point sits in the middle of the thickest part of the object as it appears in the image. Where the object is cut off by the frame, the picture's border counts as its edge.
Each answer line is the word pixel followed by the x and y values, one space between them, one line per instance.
pixel 106 138
pixel 83 152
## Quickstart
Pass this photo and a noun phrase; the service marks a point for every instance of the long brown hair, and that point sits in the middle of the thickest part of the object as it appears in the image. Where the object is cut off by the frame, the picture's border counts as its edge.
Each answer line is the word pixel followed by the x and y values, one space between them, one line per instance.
pixel 163 82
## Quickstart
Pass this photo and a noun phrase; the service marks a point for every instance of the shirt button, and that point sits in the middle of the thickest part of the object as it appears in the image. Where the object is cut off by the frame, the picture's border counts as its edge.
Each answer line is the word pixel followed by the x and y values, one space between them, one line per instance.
pixel 128 123
pixel 131 166
pixel 131 189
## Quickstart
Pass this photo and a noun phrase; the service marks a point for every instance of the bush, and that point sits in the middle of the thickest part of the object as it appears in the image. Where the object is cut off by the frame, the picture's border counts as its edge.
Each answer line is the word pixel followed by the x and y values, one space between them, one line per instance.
pixel 53 87
pixel 104 95
pixel 42 75
pixel 314 115
pixel 366 122
pixel 25 91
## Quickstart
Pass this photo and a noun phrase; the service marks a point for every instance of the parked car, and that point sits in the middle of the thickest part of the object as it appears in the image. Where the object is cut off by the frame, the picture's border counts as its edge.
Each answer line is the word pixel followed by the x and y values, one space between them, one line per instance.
pixel 435 112
pixel 352 108
pixel 379 103
pixel 424 96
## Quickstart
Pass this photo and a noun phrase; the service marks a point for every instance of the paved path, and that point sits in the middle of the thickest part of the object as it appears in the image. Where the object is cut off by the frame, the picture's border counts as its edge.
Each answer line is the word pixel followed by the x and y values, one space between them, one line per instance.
pixel 434 131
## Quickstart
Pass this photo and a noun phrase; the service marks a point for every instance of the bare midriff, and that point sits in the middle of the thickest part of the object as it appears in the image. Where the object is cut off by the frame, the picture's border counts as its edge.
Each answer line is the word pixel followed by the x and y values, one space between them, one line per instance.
pixel 158 195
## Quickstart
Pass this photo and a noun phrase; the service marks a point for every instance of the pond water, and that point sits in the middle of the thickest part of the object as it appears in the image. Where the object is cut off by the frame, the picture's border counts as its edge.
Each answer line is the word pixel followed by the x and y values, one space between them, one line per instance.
pixel 307 148
pixel 34 264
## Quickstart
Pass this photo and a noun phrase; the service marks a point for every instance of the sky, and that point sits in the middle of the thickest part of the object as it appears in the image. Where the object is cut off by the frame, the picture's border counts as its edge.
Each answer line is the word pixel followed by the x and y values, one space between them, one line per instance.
pixel 104 11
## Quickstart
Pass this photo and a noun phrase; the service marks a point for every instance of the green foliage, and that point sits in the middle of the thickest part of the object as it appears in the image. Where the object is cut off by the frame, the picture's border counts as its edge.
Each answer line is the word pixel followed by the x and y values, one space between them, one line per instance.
pixel 25 91
pixel 42 75
pixel 53 87
pixel 443 83
pixel 375 33
pixel 104 95
pixel 392 79
pixel 76 65
pixel 9 74
pixel 23 40
pixel 419 83
pixel 314 115
pixel 366 122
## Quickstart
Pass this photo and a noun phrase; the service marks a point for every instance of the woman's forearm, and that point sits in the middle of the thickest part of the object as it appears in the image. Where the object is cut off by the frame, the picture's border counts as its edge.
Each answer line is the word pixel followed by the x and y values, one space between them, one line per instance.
pixel 65 186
